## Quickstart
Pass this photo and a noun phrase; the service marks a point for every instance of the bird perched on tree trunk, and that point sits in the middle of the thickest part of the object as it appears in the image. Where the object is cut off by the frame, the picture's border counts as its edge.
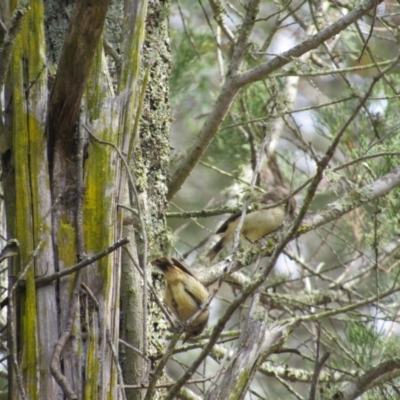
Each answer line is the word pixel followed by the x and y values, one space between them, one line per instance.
pixel 184 294
pixel 257 223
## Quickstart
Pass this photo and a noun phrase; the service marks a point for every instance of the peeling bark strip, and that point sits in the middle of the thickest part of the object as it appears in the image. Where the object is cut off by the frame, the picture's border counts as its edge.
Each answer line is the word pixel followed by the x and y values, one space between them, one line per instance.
pixel 76 60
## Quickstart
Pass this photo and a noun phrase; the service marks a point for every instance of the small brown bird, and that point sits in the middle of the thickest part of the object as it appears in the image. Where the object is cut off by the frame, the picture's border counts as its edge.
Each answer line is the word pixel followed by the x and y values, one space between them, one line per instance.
pixel 257 223
pixel 184 294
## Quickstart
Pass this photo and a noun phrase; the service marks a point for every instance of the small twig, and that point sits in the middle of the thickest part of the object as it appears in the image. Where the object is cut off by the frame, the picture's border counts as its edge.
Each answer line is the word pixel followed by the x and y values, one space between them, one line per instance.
pixel 3 26
pixel 204 213
pixel 109 341
pixel 225 173
pixel 186 30
pixel 225 209
pixel 45 280
pixel 116 361
pixel 194 220
pixel 345 309
pixel 109 49
pixel 160 367
pixel 219 10
pixel 59 346
pixel 317 371
pixel 167 385
pixel 153 291
pixel 9 250
pixel 319 363
pixel 84 263
pixel 86 289
pixel 369 33
pixel 13 349
pixel 13 344
pixel 289 388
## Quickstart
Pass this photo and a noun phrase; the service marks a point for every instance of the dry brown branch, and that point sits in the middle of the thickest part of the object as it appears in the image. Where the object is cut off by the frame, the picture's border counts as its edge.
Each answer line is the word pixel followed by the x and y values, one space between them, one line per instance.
pixel 80 43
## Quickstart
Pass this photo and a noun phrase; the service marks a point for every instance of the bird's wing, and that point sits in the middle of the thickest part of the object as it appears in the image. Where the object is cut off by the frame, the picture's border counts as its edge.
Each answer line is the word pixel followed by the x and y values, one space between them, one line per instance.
pixel 184 268
pixel 225 225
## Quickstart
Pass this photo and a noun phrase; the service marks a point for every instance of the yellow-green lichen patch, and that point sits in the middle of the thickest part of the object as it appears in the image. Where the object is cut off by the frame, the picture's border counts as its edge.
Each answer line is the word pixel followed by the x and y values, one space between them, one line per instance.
pixel 241 383
pixel 29 97
pixel 98 213
pixel 92 363
pixel 28 337
pixel 303 229
pixel 66 237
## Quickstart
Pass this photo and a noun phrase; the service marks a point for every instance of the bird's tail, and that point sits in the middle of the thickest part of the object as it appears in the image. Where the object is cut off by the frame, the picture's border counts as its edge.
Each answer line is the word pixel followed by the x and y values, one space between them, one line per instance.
pixel 216 249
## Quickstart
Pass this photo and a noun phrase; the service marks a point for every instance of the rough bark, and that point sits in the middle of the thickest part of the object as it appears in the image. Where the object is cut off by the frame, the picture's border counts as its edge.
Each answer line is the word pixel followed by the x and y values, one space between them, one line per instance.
pixel 150 161
pixel 38 190
pixel 28 206
pixel 257 342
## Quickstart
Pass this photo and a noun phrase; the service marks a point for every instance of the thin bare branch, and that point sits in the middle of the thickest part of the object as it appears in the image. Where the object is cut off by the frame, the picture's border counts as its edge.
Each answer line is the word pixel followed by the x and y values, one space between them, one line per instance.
pixel 357 387
pixel 263 70
pixel 45 280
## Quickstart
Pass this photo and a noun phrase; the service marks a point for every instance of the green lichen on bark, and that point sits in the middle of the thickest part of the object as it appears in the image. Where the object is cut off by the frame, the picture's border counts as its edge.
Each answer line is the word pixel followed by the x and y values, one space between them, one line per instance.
pixel 31 182
pixel 241 383
pixel 92 362
pixel 98 207
pixel 66 239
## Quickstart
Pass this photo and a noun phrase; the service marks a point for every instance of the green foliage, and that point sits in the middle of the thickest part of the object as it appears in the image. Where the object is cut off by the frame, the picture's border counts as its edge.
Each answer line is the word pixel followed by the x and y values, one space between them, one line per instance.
pixel 330 120
pixel 374 130
pixel 230 150
pixel 252 116
pixel 193 64
pixel 362 341
pixel 382 225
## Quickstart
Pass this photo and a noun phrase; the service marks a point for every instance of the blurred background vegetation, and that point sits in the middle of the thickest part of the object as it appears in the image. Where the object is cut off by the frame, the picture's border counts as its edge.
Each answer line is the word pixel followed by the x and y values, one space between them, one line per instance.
pixel 299 110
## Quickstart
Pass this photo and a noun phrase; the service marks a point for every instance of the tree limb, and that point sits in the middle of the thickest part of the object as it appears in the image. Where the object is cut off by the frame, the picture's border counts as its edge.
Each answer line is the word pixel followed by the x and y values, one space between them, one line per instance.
pixel 352 200
pixel 228 92
pixel 263 70
pixel 356 388
pixel 234 83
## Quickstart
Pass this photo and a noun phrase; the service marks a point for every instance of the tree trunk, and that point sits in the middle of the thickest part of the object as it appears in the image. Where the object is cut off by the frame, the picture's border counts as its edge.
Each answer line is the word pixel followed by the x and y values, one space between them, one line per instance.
pixel 62 202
